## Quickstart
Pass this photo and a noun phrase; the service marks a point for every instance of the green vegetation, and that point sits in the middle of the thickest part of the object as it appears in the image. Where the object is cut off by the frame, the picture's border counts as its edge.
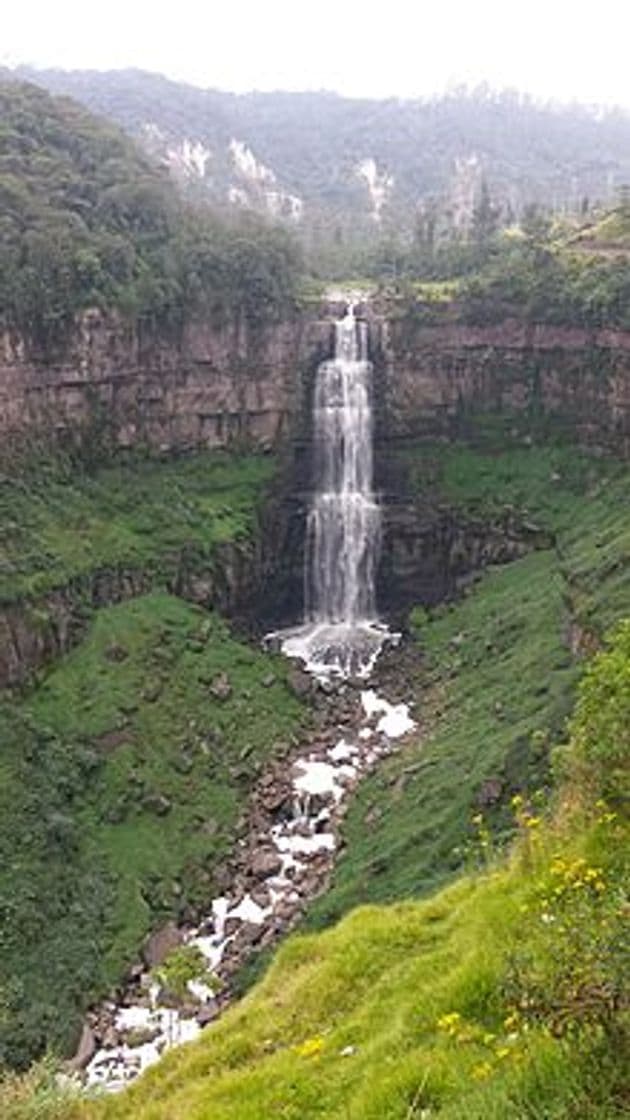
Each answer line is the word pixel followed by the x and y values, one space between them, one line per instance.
pixel 539 282
pixel 499 676
pixel 505 995
pixel 122 776
pixel 87 220
pixel 147 515
pixel 314 143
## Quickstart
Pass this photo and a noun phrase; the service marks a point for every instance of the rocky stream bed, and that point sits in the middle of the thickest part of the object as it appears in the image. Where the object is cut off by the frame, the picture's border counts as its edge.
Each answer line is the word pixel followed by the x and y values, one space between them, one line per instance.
pixel 282 858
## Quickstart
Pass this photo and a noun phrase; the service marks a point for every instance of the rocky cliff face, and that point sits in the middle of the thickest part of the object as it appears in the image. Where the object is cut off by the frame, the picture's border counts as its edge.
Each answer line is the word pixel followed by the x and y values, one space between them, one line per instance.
pixel 122 386
pixel 126 386
pixel 431 379
pixel 212 386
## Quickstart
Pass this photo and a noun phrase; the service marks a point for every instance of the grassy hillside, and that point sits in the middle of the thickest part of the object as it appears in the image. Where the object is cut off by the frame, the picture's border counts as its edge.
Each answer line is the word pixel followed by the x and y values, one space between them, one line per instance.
pixel 122 778
pixel 61 525
pixel 504 996
pixel 122 774
pixel 499 675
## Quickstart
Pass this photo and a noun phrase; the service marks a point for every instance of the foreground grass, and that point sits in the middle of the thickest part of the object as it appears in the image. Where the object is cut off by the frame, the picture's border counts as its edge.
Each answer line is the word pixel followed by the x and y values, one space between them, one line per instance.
pixel 505 996
pixel 122 776
pixel 59 525
pixel 499 674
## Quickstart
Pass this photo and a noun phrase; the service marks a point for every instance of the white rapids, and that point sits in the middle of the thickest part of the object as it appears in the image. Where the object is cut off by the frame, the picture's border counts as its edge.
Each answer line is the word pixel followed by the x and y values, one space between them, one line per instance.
pixel 321 782
pixel 342 636
pixel 341 633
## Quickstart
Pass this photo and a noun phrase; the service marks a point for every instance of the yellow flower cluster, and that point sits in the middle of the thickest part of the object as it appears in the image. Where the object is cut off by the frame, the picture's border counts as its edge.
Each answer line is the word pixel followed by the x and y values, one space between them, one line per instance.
pixel 310 1048
pixel 575 874
pixel 498 1048
pixel 606 816
pixel 450 1023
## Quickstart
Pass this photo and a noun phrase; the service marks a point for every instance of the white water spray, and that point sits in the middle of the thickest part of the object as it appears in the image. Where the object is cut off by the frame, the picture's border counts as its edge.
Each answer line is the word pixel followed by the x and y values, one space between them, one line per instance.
pixel 341 633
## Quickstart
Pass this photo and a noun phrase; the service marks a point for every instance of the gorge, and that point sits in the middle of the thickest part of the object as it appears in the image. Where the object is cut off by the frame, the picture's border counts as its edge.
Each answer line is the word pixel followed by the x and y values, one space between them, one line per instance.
pixel 383 876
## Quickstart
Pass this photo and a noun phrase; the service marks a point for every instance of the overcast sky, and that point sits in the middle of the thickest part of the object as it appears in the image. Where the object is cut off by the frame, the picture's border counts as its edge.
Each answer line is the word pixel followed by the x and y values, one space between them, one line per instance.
pixel 562 49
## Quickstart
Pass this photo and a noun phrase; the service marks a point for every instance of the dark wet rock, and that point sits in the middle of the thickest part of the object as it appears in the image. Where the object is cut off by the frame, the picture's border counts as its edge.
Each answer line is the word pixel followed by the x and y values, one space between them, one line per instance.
pixel 208 1012
pixel 300 683
pixel 139 1036
pixel 265 862
pixel 111 1038
pixel 85 1051
pixel 160 944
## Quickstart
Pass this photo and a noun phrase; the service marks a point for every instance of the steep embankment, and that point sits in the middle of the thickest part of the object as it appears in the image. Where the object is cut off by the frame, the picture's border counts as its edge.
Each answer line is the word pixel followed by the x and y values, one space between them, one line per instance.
pixel 499 666
pixel 126 764
pixel 503 996
pixel 74 541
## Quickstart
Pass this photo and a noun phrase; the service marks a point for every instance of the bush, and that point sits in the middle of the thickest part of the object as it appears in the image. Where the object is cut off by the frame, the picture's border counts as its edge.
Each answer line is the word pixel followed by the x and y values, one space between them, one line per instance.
pixel 600 728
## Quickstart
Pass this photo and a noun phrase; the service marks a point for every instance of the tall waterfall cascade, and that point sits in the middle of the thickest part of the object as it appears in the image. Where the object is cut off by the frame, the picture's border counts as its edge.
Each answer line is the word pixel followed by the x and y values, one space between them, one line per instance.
pixel 341 633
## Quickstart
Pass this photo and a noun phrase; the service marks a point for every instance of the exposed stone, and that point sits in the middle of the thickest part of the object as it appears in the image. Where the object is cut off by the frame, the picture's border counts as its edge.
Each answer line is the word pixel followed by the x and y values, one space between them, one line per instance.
pixel 160 944
pixel 157 803
pixel 265 862
pixel 221 687
pixel 207 1013
pixel 86 1049
pixel 489 792
pixel 300 683
pixel 139 1036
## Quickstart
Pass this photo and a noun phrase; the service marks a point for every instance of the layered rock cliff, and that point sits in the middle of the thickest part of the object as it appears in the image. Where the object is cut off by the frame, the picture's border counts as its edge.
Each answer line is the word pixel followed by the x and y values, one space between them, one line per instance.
pixel 126 385
pixel 432 378
pixel 120 385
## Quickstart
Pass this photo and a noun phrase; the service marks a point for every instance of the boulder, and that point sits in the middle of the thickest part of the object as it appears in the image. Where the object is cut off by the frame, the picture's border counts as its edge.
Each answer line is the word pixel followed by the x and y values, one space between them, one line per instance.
pixel 221 687
pixel 207 1012
pixel 266 862
pixel 85 1050
pixel 157 803
pixel 160 944
pixel 300 683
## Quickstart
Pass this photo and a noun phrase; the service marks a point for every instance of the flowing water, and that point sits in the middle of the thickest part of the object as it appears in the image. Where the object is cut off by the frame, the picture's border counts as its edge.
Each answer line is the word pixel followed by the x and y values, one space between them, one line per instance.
pixel 341 633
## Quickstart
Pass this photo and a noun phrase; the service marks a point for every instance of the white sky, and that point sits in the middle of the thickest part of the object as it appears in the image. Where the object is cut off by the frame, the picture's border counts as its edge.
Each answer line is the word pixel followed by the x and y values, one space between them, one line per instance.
pixel 563 49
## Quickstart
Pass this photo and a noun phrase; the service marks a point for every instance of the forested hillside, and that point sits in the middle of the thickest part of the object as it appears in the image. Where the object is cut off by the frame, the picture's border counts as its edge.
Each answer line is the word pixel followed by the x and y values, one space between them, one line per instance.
pixel 339 168
pixel 86 219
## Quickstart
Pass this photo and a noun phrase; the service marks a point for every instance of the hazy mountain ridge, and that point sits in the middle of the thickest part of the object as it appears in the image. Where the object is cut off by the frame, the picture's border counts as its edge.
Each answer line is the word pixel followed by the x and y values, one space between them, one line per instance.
pixel 335 164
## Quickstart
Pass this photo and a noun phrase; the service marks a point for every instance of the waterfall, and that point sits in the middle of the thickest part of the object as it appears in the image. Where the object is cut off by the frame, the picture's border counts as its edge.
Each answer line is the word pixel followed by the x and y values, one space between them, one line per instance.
pixel 341 633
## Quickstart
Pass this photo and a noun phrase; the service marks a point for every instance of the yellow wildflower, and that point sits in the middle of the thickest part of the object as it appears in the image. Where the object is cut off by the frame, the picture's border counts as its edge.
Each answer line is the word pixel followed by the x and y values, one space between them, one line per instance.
pixel 310 1048
pixel 482 1071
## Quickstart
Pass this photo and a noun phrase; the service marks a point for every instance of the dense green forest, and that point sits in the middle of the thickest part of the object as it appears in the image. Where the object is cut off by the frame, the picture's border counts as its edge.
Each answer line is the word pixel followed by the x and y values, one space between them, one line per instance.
pixel 428 154
pixel 87 220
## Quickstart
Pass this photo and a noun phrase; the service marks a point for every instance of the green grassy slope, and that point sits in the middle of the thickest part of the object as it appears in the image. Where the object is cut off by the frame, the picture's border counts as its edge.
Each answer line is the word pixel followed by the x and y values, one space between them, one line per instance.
pixel 504 997
pixel 122 775
pixel 499 676
pixel 122 778
pixel 60 526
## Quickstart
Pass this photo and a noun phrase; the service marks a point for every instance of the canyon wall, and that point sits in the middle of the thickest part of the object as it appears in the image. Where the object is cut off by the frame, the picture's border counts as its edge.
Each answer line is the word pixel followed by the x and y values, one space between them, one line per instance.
pixel 124 385
pixel 120 385
pixel 432 379
pixel 212 386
